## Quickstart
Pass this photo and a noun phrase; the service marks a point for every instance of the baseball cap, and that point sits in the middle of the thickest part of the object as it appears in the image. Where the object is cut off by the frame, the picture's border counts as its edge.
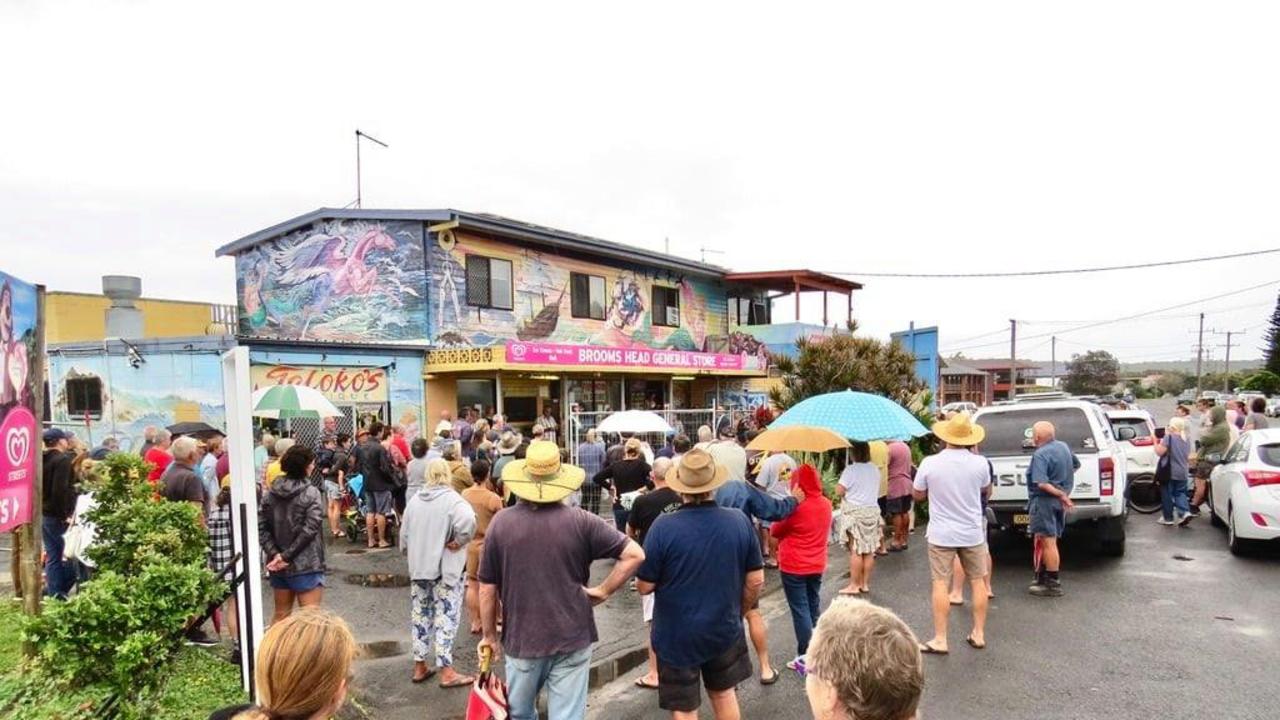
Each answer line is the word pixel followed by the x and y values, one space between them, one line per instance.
pixel 56 434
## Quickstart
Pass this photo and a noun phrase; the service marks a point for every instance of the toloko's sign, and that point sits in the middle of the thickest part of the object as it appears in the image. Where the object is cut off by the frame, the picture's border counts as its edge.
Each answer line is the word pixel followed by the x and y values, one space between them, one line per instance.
pixel 522 353
pixel 339 384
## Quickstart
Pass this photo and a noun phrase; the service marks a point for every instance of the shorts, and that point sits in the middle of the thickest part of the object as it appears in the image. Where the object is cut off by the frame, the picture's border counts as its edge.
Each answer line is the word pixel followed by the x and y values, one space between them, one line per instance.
pixel 678 686
pixel 1048 517
pixel 973 560
pixel 1204 469
pixel 377 502
pixel 646 607
pixel 883 502
pixel 305 582
pixel 332 491
pixel 898 505
pixel 475 549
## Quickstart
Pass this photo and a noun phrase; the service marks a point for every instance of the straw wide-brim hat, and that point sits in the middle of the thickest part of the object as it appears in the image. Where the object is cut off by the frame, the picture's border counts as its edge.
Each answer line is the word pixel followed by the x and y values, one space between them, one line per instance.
pixel 696 473
pixel 540 477
pixel 508 445
pixel 959 429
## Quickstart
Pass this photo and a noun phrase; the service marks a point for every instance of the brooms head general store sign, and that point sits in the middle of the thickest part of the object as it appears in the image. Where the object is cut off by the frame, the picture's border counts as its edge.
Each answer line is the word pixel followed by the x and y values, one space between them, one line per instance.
pixel 339 384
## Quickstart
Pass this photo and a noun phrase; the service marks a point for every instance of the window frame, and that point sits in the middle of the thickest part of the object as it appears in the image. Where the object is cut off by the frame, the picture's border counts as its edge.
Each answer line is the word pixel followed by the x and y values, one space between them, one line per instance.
pixel 87 407
pixel 655 315
pixel 488 291
pixel 604 300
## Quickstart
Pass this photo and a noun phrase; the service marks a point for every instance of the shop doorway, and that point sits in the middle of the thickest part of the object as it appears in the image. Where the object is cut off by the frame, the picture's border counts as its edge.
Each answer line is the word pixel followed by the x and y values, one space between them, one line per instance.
pixel 480 394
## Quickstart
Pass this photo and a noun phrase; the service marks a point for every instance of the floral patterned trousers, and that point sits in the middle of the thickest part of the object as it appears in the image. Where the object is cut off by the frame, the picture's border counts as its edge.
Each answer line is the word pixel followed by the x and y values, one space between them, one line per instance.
pixel 434 613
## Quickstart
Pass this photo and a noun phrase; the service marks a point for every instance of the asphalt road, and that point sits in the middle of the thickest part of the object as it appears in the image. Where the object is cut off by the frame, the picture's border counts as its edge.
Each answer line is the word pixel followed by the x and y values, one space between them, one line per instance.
pixel 1147 635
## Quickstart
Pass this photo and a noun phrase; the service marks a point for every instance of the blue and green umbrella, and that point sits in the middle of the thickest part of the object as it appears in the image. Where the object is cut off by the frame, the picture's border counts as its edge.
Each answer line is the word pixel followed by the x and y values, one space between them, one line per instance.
pixel 854 415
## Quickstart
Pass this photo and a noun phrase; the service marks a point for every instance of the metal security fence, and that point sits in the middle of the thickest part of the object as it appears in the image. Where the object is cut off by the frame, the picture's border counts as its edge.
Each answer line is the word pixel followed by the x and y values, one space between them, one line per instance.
pixel 683 421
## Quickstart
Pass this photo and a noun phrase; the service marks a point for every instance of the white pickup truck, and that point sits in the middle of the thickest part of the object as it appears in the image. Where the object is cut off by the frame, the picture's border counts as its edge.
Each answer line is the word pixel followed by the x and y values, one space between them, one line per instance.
pixel 1099 491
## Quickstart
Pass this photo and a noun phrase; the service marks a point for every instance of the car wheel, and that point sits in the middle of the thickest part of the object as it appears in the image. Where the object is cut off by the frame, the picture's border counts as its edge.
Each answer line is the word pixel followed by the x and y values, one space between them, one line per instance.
pixel 1111 534
pixel 1237 545
pixel 1143 495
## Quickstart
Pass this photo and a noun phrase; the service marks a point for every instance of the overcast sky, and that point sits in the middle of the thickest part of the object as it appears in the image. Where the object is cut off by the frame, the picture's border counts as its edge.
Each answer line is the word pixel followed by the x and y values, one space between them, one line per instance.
pixel 913 137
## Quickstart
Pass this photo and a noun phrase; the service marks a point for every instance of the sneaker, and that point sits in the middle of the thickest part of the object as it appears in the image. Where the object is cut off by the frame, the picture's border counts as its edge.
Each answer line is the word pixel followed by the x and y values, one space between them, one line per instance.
pixel 1049 590
pixel 1163 521
pixel 1195 512
pixel 1186 519
pixel 196 636
pixel 798 665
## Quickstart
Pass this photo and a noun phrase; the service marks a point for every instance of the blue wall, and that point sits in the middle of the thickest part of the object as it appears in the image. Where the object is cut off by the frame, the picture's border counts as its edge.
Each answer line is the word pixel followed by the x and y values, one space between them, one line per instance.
pixel 923 343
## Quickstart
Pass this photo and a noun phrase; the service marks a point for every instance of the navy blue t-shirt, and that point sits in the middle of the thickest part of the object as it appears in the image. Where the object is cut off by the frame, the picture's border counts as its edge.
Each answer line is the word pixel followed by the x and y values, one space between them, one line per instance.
pixel 698 558
pixel 1052 463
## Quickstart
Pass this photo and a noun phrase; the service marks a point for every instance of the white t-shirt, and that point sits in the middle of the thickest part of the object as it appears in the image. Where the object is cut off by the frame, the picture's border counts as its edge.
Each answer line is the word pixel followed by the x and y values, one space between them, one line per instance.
pixel 954 480
pixel 861 483
pixel 732 456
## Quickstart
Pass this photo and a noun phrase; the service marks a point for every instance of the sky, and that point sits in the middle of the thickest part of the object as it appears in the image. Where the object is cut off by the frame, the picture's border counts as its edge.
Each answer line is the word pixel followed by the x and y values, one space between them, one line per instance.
pixel 864 137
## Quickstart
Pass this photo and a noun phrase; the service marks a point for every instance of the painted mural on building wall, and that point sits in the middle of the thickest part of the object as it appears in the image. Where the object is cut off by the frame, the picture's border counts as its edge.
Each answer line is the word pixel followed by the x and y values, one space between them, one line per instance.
pixel 167 389
pixel 542 303
pixel 338 281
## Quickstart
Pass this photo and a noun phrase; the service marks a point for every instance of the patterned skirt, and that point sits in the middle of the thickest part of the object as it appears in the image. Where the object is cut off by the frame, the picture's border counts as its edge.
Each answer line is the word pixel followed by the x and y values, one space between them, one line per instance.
pixel 859 528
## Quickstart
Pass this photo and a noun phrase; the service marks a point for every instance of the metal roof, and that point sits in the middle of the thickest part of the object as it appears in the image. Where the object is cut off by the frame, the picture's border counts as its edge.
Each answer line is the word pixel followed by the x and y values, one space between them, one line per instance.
pixel 786 281
pixel 489 223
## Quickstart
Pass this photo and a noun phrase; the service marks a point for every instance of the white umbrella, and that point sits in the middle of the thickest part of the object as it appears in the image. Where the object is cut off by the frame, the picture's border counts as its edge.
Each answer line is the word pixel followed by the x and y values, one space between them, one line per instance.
pixel 292 401
pixel 634 421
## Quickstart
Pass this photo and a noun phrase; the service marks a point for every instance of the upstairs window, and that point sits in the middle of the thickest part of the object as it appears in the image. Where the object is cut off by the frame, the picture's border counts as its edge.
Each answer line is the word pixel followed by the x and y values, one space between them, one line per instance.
pixel 748 310
pixel 587 298
pixel 666 306
pixel 489 282
pixel 84 397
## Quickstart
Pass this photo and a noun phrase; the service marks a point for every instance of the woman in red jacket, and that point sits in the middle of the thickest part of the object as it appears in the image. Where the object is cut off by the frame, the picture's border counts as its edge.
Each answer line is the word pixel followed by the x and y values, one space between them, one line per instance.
pixel 802 557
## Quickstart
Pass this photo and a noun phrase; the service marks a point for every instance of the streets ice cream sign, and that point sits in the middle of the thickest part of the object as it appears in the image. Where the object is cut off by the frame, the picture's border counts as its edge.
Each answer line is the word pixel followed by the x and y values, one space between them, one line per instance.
pixel 338 384
pixel 557 354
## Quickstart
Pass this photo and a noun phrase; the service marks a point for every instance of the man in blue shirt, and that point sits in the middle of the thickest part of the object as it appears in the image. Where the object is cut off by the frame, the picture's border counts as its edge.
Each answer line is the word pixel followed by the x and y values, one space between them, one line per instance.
pixel 1051 477
pixel 703 561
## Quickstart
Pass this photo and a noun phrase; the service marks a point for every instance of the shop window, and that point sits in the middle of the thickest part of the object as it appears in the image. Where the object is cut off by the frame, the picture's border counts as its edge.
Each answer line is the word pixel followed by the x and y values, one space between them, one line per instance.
pixel 586 296
pixel 84 397
pixel 666 306
pixel 489 282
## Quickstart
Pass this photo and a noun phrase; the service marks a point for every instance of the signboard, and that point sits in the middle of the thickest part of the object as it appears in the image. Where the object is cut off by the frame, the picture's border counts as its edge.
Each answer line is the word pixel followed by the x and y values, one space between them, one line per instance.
pixel 19 432
pixel 341 385
pixel 522 353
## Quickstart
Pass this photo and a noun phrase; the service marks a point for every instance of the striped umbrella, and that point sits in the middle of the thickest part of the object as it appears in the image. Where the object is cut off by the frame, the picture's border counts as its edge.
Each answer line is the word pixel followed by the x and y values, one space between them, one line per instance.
pixel 292 401
pixel 854 415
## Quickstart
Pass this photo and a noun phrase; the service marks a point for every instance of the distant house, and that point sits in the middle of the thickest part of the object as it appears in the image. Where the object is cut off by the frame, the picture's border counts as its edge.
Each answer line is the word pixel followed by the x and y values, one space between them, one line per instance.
pixel 963 383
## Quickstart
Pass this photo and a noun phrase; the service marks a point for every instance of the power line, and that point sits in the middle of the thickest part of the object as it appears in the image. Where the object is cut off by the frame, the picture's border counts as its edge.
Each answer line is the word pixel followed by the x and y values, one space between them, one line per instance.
pixel 1074 271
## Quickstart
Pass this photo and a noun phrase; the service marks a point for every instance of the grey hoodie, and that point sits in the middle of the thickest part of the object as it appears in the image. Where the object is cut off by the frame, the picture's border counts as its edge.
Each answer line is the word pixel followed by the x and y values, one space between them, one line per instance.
pixel 289 523
pixel 434 517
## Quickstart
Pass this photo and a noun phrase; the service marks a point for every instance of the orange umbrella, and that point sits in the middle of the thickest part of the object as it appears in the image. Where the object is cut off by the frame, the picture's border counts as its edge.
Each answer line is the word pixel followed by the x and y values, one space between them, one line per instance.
pixel 798 438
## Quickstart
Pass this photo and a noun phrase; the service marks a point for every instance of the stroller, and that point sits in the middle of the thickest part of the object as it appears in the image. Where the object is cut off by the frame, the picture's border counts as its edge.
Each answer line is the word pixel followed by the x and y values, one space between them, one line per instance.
pixel 354 509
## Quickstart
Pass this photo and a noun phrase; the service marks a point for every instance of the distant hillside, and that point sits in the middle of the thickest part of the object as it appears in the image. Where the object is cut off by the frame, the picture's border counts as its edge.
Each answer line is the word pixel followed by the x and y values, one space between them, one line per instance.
pixel 1186 366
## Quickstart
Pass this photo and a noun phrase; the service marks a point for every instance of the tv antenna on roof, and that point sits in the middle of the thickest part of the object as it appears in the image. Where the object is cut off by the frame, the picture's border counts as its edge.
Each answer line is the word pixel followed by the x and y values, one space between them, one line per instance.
pixel 704 250
pixel 366 136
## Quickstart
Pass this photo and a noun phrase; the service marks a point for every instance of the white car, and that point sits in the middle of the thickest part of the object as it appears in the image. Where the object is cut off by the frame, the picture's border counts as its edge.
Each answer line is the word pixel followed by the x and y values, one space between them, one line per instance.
pixel 1273 407
pixel 957 407
pixel 1244 491
pixel 1135 431
pixel 1100 483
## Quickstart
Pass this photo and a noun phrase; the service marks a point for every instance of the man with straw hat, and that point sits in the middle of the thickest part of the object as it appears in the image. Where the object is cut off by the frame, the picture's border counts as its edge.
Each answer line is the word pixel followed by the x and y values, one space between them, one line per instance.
pixel 537 560
pixel 704 563
pixel 955 482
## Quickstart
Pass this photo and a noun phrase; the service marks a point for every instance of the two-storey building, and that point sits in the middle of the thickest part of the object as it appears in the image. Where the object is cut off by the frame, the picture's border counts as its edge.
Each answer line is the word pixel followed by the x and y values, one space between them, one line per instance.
pixel 405 314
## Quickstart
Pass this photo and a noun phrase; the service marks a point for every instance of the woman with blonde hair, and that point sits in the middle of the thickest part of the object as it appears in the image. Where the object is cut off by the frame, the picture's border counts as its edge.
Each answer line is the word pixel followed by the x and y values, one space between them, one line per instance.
pixel 438 523
pixel 303 670
pixel 1172 472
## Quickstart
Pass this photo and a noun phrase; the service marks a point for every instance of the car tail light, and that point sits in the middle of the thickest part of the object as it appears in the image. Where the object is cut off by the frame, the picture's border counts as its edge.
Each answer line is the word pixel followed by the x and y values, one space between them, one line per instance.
pixel 1143 441
pixel 1258 519
pixel 1254 478
pixel 1107 476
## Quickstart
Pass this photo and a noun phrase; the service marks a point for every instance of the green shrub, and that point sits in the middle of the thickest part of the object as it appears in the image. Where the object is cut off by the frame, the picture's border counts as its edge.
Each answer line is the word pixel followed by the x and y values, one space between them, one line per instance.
pixel 119 630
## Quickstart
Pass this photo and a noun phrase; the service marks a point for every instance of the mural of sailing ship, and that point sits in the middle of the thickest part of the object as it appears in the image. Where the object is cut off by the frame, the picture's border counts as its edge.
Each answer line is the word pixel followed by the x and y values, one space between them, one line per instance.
pixel 542 325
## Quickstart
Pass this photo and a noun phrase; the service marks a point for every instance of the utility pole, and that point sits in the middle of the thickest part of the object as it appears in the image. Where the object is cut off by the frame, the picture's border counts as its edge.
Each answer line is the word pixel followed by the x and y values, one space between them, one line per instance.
pixel 1013 359
pixel 1226 371
pixel 1053 362
pixel 359 195
pixel 1199 355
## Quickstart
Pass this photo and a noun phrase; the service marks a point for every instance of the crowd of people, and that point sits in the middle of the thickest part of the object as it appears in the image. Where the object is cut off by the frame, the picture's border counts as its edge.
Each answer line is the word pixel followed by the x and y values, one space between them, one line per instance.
pixel 492 523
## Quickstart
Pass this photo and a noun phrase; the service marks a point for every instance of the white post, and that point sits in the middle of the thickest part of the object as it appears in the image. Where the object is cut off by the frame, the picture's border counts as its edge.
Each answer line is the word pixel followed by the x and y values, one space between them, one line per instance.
pixel 244 509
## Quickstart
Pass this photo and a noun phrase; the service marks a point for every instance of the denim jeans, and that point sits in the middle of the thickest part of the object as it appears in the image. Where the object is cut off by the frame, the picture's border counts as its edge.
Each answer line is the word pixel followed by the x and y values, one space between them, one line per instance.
pixel 620 517
pixel 802 598
pixel 565 678
pixel 58 575
pixel 1173 494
